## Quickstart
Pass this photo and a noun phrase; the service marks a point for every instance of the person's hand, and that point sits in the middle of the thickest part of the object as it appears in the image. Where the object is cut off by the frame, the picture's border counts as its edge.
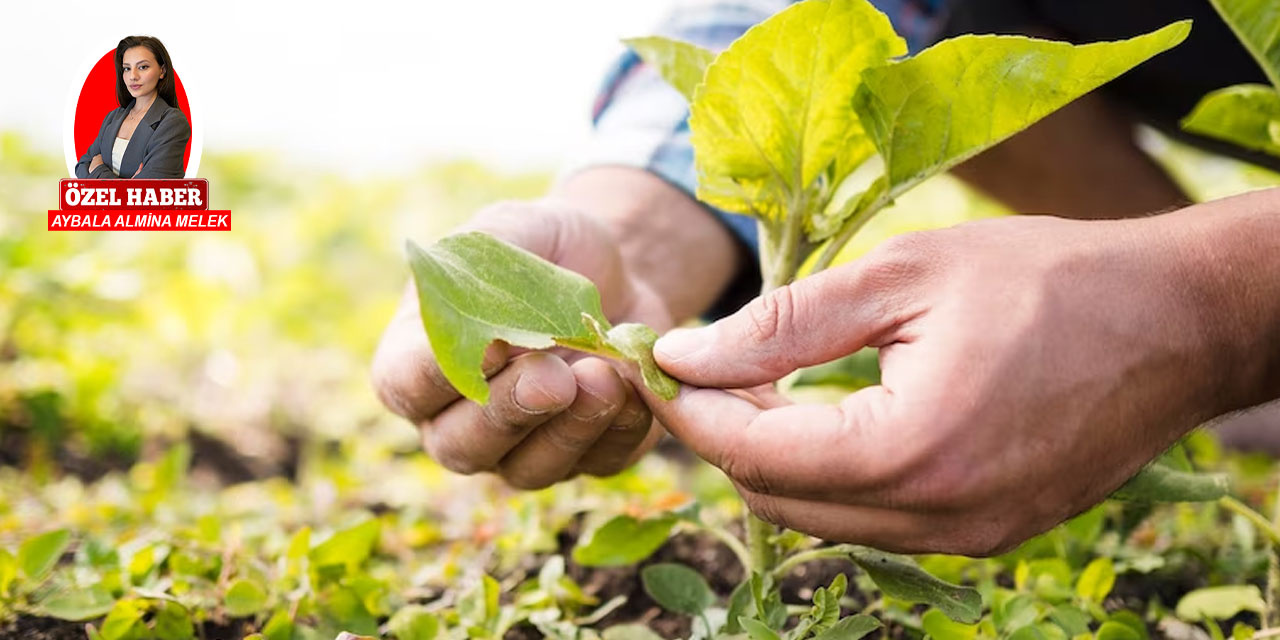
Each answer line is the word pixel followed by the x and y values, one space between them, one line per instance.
pixel 1030 366
pixel 550 415
pixel 95 163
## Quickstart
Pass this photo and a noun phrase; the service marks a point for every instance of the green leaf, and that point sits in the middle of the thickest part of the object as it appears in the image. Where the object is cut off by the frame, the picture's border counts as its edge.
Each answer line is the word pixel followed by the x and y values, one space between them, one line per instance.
pixel 623 540
pixel 474 289
pixel 677 588
pixel 76 604
pixel 771 124
pixel 1131 620
pixel 173 622
pixel 901 578
pixel 414 622
pixel 8 571
pixel 279 627
pixel 757 630
pixel 1256 23
pixel 38 555
pixel 739 600
pixel 635 342
pixel 244 598
pixel 629 632
pixel 122 618
pixel 1116 631
pixel 1245 114
pixel 940 627
pixel 348 547
pixel 681 64
pixel 1096 580
pixel 855 371
pixel 1158 482
pixel 1220 603
pixel 1072 620
pixel 850 628
pixel 961 96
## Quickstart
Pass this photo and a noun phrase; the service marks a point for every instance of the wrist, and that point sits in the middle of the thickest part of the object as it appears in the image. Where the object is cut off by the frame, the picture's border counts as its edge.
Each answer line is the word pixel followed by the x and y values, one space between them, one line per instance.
pixel 1228 259
pixel 667 240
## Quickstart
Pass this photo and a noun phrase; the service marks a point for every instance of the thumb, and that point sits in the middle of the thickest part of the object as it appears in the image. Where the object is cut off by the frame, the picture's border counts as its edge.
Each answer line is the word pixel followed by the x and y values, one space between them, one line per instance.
pixel 813 320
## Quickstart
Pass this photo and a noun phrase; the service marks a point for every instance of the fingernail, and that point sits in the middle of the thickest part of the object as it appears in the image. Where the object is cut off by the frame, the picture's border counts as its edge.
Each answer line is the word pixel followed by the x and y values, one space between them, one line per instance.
pixel 589 411
pixel 528 394
pixel 679 344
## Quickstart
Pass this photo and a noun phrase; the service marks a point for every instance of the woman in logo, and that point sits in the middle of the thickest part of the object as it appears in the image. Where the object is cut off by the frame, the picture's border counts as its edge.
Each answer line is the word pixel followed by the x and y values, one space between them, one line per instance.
pixel 147 136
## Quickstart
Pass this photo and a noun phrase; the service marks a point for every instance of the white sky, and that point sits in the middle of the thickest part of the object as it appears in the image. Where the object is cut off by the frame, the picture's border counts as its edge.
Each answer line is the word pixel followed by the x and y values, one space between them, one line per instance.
pixel 368 87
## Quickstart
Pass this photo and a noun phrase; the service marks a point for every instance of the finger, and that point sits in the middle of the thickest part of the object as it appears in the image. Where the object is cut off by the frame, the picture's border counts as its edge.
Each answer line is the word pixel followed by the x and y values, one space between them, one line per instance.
pixel 468 438
pixel 405 374
pixel 551 451
pixel 629 436
pixel 813 320
pixel 890 529
pixel 799 450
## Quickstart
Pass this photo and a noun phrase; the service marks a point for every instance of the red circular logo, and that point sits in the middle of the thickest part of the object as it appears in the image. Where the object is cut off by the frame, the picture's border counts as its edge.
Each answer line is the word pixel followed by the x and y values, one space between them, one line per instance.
pixel 98 98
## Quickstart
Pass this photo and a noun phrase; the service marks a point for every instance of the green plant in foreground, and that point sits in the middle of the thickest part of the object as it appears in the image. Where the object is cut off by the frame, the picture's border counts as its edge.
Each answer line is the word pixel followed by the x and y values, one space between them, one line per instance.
pixel 812 138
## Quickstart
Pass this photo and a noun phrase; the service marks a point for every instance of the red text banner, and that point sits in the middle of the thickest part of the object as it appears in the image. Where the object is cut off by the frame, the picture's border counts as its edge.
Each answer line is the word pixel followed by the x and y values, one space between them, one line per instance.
pixel 132 195
pixel 139 220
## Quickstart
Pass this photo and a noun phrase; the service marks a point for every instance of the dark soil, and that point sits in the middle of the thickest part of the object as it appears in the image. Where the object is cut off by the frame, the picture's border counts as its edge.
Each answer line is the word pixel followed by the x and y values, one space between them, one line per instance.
pixel 32 628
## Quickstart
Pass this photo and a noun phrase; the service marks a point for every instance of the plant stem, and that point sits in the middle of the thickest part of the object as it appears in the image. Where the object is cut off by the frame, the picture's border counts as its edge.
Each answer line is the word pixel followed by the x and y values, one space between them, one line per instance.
pixel 1265 526
pixel 851 226
pixel 785 567
pixel 764 553
pixel 1271 618
pixel 735 545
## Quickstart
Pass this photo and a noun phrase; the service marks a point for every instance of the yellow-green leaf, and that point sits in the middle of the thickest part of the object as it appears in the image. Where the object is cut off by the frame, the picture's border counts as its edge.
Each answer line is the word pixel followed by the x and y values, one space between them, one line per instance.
pixel 1220 603
pixel 39 554
pixel 1257 24
pixel 1096 580
pixel 681 64
pixel 961 96
pixel 474 289
pixel 772 114
pixel 1244 114
pixel 244 598
pixel 348 547
pixel 635 342
pixel 623 540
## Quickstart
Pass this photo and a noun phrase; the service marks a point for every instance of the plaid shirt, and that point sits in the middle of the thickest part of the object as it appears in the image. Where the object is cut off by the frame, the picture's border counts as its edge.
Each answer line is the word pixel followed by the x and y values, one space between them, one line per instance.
pixel 641 121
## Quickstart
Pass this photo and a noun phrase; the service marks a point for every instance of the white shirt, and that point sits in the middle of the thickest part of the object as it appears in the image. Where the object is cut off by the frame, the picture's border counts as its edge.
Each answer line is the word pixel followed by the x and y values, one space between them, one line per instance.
pixel 117 153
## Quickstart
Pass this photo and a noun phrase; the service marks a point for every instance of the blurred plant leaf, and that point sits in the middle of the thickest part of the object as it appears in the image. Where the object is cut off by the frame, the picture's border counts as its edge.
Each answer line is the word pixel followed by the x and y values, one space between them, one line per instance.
pixel 76 604
pixel 623 540
pixel 1159 482
pixel 38 555
pixel 414 622
pixel 245 597
pixel 1096 580
pixel 1220 603
pixel 348 547
pixel 677 588
pixel 1245 114
pixel 1256 23
pixel 629 632
pixel 855 371
pixel 941 627
pixel 850 628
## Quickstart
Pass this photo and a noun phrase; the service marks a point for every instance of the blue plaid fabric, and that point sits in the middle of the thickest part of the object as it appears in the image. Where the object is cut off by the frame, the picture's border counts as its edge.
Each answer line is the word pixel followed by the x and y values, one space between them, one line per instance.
pixel 641 121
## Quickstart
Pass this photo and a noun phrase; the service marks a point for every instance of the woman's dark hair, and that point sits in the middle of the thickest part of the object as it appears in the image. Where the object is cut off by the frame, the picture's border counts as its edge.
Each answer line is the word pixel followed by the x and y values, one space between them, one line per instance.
pixel 166 88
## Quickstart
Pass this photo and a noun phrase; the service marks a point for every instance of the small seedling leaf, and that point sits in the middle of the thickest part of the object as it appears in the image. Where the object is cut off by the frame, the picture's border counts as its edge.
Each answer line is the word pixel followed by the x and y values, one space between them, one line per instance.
pixel 677 588
pixel 245 597
pixel 624 540
pixel 414 622
pixel 1096 580
pixel 1220 603
pixel 757 630
pixel 629 632
pixel 348 547
pixel 940 627
pixel 77 604
pixel 850 628
pixel 901 578
pixel 1116 631
pixel 38 555
pixel 681 64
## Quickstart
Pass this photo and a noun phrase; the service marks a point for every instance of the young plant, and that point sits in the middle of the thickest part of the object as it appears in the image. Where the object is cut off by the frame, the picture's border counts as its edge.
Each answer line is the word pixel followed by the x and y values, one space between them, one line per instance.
pixel 811 122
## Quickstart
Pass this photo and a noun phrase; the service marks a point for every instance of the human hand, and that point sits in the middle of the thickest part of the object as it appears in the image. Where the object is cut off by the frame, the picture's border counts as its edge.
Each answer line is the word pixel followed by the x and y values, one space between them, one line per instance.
pixel 1030 366
pixel 95 163
pixel 550 415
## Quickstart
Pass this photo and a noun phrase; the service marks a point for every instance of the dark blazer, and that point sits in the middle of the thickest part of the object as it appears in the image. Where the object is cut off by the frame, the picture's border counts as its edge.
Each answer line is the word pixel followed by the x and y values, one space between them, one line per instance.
pixel 158 143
